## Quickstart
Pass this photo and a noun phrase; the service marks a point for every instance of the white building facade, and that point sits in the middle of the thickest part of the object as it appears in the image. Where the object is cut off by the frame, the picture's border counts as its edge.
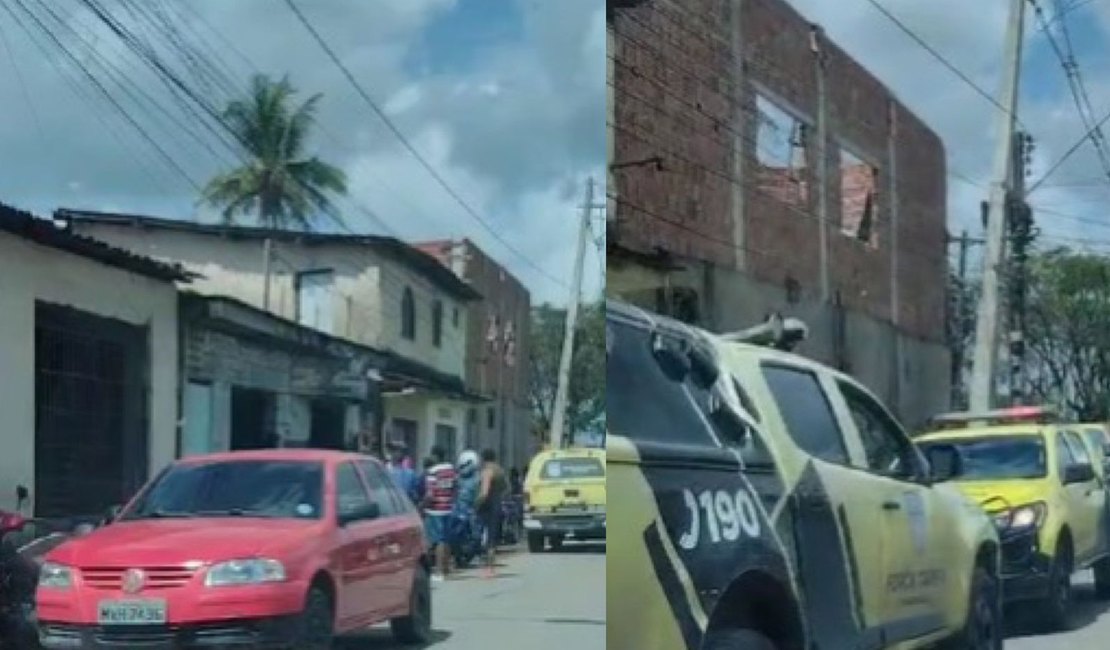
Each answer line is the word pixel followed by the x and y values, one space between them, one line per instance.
pixel 376 292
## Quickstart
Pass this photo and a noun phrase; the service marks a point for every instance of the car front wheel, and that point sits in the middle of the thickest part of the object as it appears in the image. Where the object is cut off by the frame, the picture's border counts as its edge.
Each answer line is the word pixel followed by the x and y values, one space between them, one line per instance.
pixel 1056 609
pixel 417 626
pixel 1102 578
pixel 983 629
pixel 317 627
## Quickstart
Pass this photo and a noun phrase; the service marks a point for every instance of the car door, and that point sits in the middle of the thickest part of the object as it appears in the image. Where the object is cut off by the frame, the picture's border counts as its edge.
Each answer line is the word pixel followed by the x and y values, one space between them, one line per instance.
pixel 914 553
pixel 402 537
pixel 838 515
pixel 1091 499
pixel 363 564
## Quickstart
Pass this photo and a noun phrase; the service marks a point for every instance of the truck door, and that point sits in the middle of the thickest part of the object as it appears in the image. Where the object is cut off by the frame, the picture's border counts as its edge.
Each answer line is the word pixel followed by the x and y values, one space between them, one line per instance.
pixel 835 517
pixel 914 566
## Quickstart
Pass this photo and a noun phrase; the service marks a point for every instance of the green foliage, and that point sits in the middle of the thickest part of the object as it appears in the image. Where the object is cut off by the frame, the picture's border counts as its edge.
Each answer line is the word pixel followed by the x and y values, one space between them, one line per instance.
pixel 586 402
pixel 278 185
pixel 1068 332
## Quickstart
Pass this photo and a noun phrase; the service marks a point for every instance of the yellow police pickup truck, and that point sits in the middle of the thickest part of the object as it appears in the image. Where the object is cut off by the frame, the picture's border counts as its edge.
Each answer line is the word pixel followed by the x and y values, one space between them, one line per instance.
pixel 564 497
pixel 1043 483
pixel 764 501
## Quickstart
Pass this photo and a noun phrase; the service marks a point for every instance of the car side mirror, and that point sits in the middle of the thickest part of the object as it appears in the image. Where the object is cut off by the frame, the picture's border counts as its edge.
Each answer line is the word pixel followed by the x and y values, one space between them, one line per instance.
pixel 945 462
pixel 364 513
pixel 1079 474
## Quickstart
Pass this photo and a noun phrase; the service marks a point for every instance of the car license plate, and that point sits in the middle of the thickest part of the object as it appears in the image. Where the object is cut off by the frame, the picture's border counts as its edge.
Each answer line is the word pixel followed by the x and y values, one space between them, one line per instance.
pixel 571 507
pixel 131 612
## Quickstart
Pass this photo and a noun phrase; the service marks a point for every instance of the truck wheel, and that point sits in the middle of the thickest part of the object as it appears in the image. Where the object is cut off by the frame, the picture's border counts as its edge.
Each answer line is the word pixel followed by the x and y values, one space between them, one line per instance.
pixel 417 626
pixel 535 542
pixel 741 639
pixel 1057 606
pixel 983 629
pixel 1102 578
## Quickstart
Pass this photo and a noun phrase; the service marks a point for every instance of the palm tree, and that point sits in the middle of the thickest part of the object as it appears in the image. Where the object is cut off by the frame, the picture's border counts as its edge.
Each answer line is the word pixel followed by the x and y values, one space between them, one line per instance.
pixel 278 184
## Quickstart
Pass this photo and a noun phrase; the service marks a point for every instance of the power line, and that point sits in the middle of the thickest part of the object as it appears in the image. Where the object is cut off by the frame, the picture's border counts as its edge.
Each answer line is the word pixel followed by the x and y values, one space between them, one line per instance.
pixel 1068 154
pixel 1080 96
pixel 108 96
pixel 944 61
pixel 411 149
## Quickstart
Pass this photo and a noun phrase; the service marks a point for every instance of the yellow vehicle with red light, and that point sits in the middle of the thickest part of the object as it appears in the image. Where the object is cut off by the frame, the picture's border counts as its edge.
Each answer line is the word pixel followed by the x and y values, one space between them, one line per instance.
pixel 564 497
pixel 1043 483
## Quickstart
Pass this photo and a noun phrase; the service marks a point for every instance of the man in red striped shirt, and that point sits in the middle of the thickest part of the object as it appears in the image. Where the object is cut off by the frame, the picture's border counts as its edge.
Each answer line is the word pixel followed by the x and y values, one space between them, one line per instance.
pixel 439 500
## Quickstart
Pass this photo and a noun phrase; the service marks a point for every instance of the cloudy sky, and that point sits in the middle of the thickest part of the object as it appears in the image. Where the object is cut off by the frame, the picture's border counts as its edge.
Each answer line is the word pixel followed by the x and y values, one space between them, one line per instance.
pixel 1071 205
pixel 504 97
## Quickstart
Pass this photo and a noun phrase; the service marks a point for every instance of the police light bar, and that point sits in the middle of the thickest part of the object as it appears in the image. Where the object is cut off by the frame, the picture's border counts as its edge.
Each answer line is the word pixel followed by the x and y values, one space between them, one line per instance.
pixel 1030 414
pixel 777 332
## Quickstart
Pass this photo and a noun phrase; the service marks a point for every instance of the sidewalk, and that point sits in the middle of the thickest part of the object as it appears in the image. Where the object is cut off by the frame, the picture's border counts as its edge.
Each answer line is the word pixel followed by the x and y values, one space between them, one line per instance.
pixel 550 601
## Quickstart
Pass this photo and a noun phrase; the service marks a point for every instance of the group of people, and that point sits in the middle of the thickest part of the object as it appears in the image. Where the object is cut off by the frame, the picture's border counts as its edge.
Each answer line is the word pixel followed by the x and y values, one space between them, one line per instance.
pixel 451 494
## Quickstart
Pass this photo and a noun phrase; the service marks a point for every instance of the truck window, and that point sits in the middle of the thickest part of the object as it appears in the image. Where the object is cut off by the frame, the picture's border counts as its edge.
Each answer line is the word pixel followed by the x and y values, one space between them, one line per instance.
pixel 805 410
pixel 886 446
pixel 642 403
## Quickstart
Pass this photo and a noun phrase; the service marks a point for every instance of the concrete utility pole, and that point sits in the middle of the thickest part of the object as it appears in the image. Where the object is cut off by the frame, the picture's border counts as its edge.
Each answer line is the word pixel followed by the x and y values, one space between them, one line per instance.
pixel 986 324
pixel 267 260
pixel 965 242
pixel 558 415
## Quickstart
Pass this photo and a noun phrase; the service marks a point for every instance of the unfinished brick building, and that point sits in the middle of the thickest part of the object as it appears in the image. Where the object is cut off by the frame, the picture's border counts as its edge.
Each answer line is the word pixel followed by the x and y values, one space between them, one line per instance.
pixel 756 167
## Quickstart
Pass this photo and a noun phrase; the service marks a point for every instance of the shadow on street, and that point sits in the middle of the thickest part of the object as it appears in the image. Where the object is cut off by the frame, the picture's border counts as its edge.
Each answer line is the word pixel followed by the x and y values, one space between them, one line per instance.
pixel 381 639
pixel 1021 620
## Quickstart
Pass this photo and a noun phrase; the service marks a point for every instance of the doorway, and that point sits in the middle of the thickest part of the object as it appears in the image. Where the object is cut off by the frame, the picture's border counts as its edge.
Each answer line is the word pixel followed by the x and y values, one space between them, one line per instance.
pixel 91 423
pixel 328 427
pixel 252 419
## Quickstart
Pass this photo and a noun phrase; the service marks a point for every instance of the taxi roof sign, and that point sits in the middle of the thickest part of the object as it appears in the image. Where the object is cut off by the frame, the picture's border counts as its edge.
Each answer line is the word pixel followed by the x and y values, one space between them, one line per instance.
pixel 776 332
pixel 1026 414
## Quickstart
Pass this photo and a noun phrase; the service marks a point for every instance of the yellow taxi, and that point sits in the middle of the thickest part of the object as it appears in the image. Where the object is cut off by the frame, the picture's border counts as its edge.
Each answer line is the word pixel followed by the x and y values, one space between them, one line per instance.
pixel 564 497
pixel 768 502
pixel 1043 483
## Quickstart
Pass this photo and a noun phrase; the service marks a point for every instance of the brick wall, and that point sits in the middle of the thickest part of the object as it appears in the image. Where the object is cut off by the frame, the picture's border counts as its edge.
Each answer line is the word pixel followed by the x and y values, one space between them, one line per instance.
pixel 678 95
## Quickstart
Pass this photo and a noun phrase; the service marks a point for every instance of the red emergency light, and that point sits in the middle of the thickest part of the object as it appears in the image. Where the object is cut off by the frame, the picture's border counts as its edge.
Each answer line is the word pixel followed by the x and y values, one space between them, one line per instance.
pixel 1023 414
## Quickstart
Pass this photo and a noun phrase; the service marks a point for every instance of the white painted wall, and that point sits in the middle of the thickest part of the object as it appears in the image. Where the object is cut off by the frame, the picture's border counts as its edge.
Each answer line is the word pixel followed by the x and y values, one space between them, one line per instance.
pixel 428 411
pixel 29 272
pixel 368 285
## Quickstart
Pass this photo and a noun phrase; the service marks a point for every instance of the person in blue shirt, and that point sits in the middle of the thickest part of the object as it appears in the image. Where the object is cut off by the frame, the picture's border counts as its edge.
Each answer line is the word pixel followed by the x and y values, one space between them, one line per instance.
pixel 408 480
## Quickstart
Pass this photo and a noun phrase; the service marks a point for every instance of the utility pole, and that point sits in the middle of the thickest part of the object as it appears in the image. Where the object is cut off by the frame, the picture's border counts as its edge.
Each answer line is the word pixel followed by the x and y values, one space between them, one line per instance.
pixel 558 415
pixel 267 260
pixel 986 324
pixel 959 322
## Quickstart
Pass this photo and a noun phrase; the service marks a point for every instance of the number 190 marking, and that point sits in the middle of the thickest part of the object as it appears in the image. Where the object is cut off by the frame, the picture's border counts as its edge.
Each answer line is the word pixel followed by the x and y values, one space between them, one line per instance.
pixel 726 517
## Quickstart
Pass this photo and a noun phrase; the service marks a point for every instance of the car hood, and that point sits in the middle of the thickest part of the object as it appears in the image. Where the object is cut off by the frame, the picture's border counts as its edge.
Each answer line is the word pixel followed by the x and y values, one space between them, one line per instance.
pixel 179 541
pixel 997 495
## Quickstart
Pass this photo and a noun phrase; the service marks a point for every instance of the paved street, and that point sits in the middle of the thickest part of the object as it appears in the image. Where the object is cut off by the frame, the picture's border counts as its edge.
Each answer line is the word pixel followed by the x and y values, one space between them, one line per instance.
pixel 1091 630
pixel 551 601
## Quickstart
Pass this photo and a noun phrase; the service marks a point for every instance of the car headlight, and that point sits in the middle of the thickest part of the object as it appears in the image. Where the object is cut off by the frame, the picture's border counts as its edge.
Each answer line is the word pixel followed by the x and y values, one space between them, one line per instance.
pixel 1021 517
pixel 55 576
pixel 244 572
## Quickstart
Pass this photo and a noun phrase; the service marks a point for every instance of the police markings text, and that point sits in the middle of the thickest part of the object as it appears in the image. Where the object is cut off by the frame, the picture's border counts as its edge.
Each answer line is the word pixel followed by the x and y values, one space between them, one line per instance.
pixel 723 514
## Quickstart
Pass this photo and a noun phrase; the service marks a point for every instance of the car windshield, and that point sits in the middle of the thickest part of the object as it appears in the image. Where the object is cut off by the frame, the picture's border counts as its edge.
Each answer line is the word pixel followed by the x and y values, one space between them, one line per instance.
pixel 998 458
pixel 273 489
pixel 572 468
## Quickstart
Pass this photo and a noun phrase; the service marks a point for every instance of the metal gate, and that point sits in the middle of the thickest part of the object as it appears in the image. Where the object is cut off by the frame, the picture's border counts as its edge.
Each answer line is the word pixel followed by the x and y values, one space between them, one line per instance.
pixel 91 384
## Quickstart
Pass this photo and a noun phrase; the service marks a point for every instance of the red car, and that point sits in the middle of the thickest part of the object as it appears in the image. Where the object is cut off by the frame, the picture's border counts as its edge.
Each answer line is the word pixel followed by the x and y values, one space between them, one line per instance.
pixel 258 549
